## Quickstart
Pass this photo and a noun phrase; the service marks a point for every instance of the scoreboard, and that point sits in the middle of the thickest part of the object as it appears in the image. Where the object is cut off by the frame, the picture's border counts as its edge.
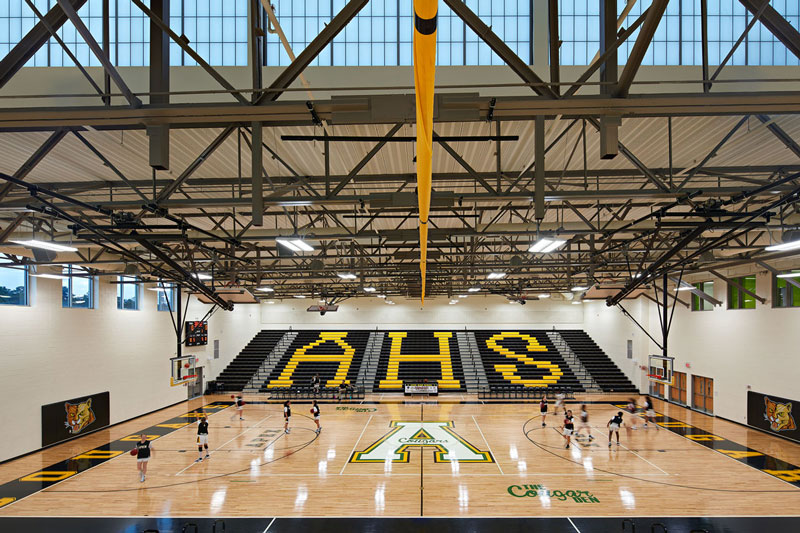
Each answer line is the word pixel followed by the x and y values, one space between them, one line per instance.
pixel 196 333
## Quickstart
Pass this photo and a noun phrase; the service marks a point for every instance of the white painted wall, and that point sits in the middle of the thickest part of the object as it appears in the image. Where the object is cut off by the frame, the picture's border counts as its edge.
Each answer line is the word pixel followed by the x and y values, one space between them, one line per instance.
pixel 737 348
pixel 50 354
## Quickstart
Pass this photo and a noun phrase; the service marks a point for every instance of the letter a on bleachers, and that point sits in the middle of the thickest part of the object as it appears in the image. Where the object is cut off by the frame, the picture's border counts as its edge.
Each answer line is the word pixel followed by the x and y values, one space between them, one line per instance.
pixel 301 355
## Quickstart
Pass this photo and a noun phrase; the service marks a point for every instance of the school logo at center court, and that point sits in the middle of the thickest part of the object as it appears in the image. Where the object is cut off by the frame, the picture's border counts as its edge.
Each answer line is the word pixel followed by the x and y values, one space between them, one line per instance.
pixel 440 436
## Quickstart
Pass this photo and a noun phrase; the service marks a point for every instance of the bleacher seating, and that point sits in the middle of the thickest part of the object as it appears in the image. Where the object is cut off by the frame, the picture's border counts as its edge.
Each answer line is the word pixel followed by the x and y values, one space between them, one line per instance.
pixel 335 355
pixel 419 356
pixel 524 364
pixel 607 375
pixel 241 369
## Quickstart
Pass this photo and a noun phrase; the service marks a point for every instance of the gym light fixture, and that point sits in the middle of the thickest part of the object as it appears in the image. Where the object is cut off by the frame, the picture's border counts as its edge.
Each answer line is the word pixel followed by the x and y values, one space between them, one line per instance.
pixel 791 245
pixel 579 289
pixel 496 275
pixel 381 296
pixel 544 295
pixel 462 295
pixel 295 245
pixel 301 296
pixel 474 289
pixel 53 247
pixel 201 276
pixel 576 302
pixel 369 289
pixel 50 276
pixel 265 289
pixel 789 275
pixel 347 275
pixel 545 246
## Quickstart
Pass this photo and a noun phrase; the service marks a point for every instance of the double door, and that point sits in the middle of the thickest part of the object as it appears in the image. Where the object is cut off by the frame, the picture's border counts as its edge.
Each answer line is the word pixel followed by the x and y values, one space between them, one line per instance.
pixel 703 394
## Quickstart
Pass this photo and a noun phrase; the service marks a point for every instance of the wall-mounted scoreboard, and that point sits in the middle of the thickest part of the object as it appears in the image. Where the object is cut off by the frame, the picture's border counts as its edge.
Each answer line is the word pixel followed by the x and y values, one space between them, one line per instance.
pixel 197 333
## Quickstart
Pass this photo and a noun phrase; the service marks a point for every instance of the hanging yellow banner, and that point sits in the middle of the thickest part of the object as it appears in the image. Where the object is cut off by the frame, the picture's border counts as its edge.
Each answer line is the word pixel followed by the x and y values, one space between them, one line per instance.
pixel 425 12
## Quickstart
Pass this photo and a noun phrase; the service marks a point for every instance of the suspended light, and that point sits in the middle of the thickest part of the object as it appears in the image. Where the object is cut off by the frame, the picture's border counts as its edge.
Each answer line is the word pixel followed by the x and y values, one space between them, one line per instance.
pixel 295 245
pixel 544 295
pixel 369 289
pixel 474 289
pixel 545 246
pixel 201 276
pixel 301 296
pixel 789 275
pixel 347 275
pixel 44 245
pixel 265 289
pixel 496 275
pixel 791 245
pixel 579 289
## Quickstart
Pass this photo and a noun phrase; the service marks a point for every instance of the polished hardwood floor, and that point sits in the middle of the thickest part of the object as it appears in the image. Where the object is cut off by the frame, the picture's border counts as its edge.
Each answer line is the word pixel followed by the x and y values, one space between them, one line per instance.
pixel 391 457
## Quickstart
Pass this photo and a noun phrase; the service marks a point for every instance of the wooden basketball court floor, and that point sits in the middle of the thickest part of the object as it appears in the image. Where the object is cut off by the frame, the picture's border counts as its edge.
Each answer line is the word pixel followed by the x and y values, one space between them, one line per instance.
pixel 510 466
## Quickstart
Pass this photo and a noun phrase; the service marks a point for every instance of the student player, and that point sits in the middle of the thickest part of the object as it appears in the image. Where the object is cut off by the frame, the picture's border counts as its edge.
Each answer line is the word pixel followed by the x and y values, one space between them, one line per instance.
pixel 631 408
pixel 315 414
pixel 143 453
pixel 342 391
pixel 315 383
pixel 613 427
pixel 287 414
pixel 543 410
pixel 560 402
pixel 568 427
pixel 584 423
pixel 239 407
pixel 650 413
pixel 202 438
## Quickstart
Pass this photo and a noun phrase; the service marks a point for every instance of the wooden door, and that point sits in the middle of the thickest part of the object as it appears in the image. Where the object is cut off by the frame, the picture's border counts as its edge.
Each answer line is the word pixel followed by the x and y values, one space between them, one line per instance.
pixel 677 392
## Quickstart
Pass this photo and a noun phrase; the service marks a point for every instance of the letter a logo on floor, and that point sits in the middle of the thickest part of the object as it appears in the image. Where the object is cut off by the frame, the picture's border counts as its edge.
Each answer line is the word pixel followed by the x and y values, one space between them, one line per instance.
pixel 446 443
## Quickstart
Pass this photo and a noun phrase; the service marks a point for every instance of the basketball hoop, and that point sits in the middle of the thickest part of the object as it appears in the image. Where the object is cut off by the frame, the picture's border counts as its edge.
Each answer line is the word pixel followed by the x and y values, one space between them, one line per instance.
pixel 660 369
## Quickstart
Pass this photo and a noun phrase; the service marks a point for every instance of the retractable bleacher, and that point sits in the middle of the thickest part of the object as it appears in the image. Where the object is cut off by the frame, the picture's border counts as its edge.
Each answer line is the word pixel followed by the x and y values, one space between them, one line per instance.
pixel 335 355
pixel 602 369
pixel 238 373
pixel 523 364
pixel 419 356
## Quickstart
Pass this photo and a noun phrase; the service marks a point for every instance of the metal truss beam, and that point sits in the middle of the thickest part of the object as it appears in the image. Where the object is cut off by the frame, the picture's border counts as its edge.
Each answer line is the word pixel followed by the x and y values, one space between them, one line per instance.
pixel 323 39
pixel 775 23
pixel 654 14
pixel 35 158
pixel 86 35
pixel 499 47
pixel 294 113
pixel 366 159
pixel 697 292
pixel 25 49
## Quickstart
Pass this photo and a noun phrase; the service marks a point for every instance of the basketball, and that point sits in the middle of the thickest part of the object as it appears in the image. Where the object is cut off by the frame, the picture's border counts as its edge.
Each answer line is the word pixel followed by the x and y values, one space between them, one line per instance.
pixel 186 365
pixel 311 410
pixel 232 396
pixel 134 451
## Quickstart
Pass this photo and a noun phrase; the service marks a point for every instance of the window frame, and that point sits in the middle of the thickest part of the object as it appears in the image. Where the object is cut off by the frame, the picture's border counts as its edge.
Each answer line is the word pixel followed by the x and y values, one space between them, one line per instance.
pixel 740 295
pixel 171 306
pixel 776 297
pixel 26 298
pixel 701 285
pixel 133 281
pixel 70 275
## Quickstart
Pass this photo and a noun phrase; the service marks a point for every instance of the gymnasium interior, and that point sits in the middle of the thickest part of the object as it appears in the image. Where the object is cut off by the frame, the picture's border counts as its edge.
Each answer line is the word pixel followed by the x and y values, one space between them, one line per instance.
pixel 419 265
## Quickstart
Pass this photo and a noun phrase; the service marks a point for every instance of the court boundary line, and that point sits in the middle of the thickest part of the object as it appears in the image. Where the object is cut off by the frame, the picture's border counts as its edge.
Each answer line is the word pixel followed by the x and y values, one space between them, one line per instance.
pixel 470 517
pixel 270 524
pixel 496 461
pixel 347 460
pixel 573 524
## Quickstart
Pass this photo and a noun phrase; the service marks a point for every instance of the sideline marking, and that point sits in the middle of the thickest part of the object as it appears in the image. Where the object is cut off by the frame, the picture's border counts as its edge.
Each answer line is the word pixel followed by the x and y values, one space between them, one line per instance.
pixel 354 445
pixel 488 447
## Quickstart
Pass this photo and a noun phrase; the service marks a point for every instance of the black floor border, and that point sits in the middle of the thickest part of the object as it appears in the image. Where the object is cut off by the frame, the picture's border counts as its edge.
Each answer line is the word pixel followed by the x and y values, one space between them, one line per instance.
pixel 739 524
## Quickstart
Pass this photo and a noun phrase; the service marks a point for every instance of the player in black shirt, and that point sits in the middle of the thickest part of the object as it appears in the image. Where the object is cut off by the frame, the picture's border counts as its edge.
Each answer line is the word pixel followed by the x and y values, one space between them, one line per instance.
pixel 239 404
pixel 613 427
pixel 649 412
pixel 543 409
pixel 202 438
pixel 568 427
pixel 143 453
pixel 287 414
pixel 315 414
